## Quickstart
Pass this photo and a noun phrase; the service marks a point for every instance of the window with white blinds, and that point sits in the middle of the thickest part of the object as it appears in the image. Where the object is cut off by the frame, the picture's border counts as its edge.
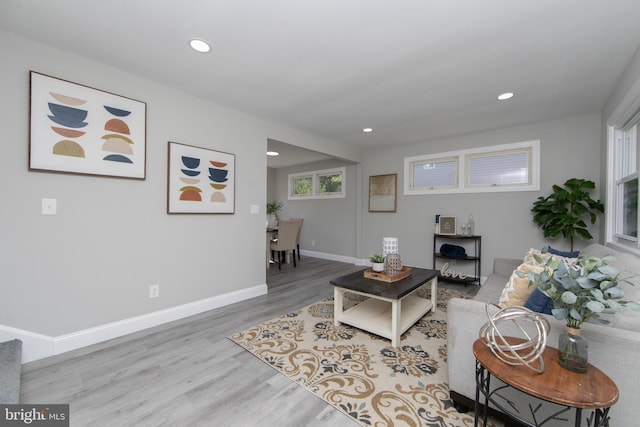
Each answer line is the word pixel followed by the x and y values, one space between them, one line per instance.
pixel 508 167
pixel 437 173
pixel 502 168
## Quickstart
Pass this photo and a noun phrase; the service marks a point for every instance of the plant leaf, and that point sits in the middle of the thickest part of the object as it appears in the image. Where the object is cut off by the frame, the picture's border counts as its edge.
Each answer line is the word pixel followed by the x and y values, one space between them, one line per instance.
pixel 586 283
pixel 597 276
pixel 575 315
pixel 560 313
pixel 568 297
pixel 606 284
pixel 614 292
pixel 596 306
pixel 608 270
pixel 597 294
pixel 613 305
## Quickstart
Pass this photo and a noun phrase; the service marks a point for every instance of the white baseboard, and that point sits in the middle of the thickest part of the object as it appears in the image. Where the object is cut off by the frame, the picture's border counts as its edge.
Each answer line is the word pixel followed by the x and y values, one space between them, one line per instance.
pixel 37 346
pixel 331 257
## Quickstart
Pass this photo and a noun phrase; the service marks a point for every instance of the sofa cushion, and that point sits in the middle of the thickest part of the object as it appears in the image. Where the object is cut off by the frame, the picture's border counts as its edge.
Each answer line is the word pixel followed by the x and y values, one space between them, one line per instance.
pixel 517 289
pixel 574 254
pixel 529 257
pixel 539 302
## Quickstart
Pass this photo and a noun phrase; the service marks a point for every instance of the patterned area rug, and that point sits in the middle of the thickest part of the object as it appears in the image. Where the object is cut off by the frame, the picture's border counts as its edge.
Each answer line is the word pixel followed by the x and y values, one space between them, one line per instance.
pixel 359 373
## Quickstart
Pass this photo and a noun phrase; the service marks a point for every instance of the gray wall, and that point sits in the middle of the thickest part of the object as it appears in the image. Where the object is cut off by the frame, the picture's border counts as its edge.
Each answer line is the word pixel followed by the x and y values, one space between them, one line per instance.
pixel 271 184
pixel 93 262
pixel 569 148
pixel 331 225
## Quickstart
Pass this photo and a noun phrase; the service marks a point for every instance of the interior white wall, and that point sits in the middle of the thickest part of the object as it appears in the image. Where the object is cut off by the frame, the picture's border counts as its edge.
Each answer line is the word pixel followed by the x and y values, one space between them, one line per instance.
pixel 569 148
pixel 330 225
pixel 93 262
pixel 271 184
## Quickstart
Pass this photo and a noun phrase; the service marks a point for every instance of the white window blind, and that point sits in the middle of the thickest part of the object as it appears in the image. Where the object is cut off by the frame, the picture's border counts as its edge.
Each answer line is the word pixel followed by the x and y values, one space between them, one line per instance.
pixel 506 168
pixel 437 173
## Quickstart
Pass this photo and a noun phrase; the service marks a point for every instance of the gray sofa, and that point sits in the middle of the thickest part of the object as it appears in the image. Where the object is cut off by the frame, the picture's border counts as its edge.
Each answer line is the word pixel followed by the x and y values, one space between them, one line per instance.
pixel 613 347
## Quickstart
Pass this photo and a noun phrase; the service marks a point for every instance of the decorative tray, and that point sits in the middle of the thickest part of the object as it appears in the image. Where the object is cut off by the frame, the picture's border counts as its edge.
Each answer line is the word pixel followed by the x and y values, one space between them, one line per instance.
pixel 383 277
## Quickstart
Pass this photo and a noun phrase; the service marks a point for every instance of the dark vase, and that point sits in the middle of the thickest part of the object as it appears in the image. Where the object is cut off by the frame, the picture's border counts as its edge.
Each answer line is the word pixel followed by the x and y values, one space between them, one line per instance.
pixel 573 350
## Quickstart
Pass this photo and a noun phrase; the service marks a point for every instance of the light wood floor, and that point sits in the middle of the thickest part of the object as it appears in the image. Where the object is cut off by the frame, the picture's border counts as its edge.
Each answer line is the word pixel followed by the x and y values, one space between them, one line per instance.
pixel 187 373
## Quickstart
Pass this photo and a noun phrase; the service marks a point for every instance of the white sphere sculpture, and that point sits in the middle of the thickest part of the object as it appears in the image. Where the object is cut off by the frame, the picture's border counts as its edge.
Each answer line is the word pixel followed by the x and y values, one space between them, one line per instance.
pixel 525 349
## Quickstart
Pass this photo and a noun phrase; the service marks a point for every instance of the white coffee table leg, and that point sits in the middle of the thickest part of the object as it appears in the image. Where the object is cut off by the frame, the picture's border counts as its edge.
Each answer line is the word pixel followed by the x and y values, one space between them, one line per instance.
pixel 337 304
pixel 434 294
pixel 396 315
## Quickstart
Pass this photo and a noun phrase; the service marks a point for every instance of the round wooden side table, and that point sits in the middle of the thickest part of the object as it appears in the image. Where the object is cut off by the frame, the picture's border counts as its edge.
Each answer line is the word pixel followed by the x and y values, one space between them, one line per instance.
pixel 592 390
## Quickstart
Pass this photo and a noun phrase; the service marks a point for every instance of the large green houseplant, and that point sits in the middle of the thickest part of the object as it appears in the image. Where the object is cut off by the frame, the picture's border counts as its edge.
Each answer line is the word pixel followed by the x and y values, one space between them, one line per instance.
pixel 564 211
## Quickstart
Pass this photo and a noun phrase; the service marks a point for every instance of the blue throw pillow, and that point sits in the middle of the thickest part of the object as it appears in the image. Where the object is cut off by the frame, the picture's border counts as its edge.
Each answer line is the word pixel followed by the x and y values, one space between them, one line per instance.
pixel 539 302
pixel 574 254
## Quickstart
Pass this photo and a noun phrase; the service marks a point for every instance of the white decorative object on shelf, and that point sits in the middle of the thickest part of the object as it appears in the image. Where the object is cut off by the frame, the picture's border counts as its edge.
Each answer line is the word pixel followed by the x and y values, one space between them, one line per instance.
pixel 389 245
pixel 444 271
pixel 470 225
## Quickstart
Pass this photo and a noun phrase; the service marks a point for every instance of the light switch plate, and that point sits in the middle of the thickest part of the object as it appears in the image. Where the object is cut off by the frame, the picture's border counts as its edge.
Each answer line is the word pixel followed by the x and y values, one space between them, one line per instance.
pixel 49 206
pixel 255 209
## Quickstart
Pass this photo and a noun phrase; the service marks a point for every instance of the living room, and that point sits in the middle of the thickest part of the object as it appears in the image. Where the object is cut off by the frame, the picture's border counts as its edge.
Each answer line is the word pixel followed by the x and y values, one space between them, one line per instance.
pixel 109 283
pixel 82 276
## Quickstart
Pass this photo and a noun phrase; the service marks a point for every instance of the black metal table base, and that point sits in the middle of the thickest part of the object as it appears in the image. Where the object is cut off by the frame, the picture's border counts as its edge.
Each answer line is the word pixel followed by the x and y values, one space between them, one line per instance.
pixel 597 418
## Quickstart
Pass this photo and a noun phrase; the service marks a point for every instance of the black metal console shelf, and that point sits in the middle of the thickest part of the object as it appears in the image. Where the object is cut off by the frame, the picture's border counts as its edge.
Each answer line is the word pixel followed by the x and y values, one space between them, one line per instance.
pixel 475 257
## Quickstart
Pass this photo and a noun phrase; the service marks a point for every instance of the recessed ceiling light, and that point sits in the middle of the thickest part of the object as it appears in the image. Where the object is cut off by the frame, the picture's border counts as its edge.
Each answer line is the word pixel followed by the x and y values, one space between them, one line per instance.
pixel 367 130
pixel 272 153
pixel 505 96
pixel 200 45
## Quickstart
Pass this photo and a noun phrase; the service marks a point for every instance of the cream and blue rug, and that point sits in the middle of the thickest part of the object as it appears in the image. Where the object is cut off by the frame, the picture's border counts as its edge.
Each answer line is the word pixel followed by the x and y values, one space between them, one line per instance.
pixel 359 373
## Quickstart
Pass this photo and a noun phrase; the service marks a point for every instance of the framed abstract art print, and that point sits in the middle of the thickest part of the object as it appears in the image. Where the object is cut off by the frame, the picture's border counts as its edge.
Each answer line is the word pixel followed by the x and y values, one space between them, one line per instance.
pixel 200 180
pixel 78 129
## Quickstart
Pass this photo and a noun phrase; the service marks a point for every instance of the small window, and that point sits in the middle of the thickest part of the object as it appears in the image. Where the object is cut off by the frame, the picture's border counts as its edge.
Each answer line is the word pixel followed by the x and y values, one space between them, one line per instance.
pixel 322 184
pixel 629 208
pixel 508 167
pixel 303 186
pixel 434 173
pixel 493 169
pixel 330 183
pixel 625 195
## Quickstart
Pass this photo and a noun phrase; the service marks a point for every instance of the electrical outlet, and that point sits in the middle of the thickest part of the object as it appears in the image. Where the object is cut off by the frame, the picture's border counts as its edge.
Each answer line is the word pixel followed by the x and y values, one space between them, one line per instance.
pixel 154 291
pixel 313 243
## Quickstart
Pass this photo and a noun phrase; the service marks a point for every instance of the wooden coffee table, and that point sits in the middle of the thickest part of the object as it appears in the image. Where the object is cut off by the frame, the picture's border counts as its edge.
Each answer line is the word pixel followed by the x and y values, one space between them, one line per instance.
pixel 593 390
pixel 391 308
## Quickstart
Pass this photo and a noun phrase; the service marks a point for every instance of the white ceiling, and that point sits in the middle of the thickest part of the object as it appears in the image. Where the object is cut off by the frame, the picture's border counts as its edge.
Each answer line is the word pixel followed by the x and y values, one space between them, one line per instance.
pixel 414 70
pixel 290 155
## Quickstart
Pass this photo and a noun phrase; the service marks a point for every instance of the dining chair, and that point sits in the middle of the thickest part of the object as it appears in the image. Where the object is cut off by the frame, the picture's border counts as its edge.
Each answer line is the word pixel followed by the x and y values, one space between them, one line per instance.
pixel 298 237
pixel 286 240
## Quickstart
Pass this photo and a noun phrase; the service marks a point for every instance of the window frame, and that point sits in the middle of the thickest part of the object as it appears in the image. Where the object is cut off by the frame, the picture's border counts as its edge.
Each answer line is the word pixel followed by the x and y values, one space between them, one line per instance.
pixel 463 158
pixel 315 184
pixel 617 176
pixel 426 160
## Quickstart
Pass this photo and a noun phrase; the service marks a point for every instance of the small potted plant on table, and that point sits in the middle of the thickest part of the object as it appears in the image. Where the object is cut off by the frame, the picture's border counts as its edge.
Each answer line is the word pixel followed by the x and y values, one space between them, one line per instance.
pixel 273 208
pixel 378 262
